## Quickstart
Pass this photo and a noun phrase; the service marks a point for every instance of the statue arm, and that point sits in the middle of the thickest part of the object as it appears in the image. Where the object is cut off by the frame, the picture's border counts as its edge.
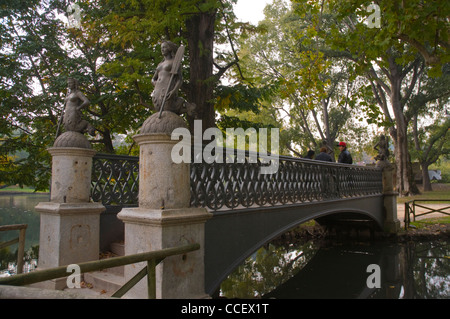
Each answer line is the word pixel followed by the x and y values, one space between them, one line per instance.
pixel 84 100
pixel 155 78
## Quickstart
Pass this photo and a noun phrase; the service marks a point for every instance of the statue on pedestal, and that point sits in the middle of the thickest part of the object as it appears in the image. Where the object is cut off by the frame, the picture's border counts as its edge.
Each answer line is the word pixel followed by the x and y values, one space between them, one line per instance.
pixel 383 151
pixel 72 120
pixel 74 103
pixel 167 81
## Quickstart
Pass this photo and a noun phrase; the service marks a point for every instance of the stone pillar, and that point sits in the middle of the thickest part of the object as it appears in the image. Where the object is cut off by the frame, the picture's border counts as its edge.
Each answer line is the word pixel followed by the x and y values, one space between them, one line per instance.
pixel 164 218
pixel 70 223
pixel 392 223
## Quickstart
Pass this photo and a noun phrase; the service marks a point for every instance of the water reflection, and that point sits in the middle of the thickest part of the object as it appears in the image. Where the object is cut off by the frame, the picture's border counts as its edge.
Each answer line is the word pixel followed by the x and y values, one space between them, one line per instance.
pixel 19 209
pixel 329 270
pixel 267 269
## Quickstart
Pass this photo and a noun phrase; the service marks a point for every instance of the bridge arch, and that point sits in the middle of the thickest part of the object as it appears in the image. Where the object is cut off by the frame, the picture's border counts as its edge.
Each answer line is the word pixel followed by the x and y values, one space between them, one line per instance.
pixel 233 236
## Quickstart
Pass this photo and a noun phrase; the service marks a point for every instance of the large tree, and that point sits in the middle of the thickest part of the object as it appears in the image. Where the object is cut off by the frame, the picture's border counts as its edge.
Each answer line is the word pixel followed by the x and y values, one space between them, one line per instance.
pixel 312 92
pixel 31 89
pixel 113 52
pixel 391 56
pixel 430 124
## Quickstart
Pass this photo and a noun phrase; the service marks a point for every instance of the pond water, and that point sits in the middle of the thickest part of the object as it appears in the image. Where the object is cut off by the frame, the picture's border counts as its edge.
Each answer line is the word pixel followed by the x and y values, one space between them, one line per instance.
pixel 283 270
pixel 327 270
pixel 19 209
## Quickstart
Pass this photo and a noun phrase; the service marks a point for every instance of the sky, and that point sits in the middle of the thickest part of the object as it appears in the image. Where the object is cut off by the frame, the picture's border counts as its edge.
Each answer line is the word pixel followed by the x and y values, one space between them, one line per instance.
pixel 245 10
pixel 250 10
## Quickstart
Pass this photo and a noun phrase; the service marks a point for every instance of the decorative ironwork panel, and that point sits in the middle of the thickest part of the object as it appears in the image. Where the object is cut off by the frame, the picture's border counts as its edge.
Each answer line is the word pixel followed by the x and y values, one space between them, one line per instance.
pixel 225 186
pixel 229 184
pixel 115 179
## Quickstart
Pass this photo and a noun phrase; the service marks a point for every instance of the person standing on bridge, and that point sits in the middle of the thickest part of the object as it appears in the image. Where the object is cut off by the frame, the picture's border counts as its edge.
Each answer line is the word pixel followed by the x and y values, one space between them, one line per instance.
pixel 310 154
pixel 324 156
pixel 344 157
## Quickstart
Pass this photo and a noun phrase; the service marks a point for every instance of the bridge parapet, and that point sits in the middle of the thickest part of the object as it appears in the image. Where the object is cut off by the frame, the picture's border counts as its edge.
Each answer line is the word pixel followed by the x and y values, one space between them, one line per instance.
pixel 229 185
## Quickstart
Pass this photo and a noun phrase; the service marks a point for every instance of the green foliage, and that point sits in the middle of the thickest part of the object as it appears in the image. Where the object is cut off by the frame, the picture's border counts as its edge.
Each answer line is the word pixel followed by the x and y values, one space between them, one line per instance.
pixel 313 93
pixel 113 55
pixel 32 78
pixel 300 70
pixel 410 42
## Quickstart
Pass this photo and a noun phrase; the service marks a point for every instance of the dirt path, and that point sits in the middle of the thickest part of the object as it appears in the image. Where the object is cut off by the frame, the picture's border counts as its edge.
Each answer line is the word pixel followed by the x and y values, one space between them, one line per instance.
pixel 419 210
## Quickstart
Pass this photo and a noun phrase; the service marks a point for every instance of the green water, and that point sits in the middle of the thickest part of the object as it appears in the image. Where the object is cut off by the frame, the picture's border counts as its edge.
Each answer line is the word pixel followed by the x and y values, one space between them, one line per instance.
pixel 19 209
pixel 329 270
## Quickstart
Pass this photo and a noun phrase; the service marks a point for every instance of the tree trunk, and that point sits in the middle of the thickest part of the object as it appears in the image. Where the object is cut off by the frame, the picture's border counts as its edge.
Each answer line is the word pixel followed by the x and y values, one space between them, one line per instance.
pixel 200 28
pixel 400 137
pixel 107 142
pixel 405 177
pixel 425 177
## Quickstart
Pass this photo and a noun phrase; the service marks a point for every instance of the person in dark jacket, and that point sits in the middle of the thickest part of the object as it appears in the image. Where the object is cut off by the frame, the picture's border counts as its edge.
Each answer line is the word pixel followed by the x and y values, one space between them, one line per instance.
pixel 310 154
pixel 344 157
pixel 324 156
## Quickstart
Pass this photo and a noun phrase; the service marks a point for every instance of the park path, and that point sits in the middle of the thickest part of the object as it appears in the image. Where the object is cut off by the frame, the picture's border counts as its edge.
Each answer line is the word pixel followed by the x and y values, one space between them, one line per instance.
pixel 419 210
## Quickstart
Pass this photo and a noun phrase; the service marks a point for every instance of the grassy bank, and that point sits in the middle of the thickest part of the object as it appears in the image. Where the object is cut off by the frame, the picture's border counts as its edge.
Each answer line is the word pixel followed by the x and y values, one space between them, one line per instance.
pixel 424 223
pixel 440 191
pixel 18 189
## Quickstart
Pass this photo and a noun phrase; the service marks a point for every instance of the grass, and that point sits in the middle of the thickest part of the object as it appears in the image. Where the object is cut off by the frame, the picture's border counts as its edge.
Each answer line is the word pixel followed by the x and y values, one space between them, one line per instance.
pixel 423 223
pixel 18 189
pixel 440 191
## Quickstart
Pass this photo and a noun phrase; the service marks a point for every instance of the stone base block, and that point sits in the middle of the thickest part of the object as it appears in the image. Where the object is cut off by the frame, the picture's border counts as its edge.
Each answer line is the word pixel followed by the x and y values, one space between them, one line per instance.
pixel 69 234
pixel 391 223
pixel 177 277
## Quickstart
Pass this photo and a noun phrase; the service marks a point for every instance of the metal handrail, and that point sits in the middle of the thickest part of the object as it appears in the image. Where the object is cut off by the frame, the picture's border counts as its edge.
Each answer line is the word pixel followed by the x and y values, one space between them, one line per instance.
pixel 410 208
pixel 21 240
pixel 153 258
pixel 221 186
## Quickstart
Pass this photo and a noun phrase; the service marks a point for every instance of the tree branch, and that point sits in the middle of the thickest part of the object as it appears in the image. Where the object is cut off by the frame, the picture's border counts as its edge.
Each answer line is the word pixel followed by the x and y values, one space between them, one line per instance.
pixel 430 59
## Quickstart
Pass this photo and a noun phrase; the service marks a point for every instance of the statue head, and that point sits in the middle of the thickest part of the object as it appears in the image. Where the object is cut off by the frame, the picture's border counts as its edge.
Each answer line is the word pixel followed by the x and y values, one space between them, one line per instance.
pixel 170 46
pixel 72 84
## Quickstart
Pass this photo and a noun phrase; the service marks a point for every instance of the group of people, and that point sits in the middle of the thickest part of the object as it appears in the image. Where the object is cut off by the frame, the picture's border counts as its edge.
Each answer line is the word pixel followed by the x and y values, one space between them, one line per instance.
pixel 344 156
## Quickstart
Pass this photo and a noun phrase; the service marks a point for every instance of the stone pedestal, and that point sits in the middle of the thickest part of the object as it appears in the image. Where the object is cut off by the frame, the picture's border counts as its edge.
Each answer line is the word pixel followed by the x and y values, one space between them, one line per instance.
pixel 162 183
pixel 71 174
pixel 164 219
pixel 177 277
pixel 70 223
pixel 69 234
pixel 392 223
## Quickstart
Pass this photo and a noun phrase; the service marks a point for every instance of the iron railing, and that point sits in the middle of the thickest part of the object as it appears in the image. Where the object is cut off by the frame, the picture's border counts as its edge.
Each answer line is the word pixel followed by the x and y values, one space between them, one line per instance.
pixel 22 228
pixel 410 209
pixel 225 186
pixel 152 258
pixel 115 179
pixel 229 185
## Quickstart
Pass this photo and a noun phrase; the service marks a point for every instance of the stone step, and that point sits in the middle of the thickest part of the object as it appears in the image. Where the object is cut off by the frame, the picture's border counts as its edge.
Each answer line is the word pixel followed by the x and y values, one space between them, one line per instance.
pixel 109 280
pixel 104 281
